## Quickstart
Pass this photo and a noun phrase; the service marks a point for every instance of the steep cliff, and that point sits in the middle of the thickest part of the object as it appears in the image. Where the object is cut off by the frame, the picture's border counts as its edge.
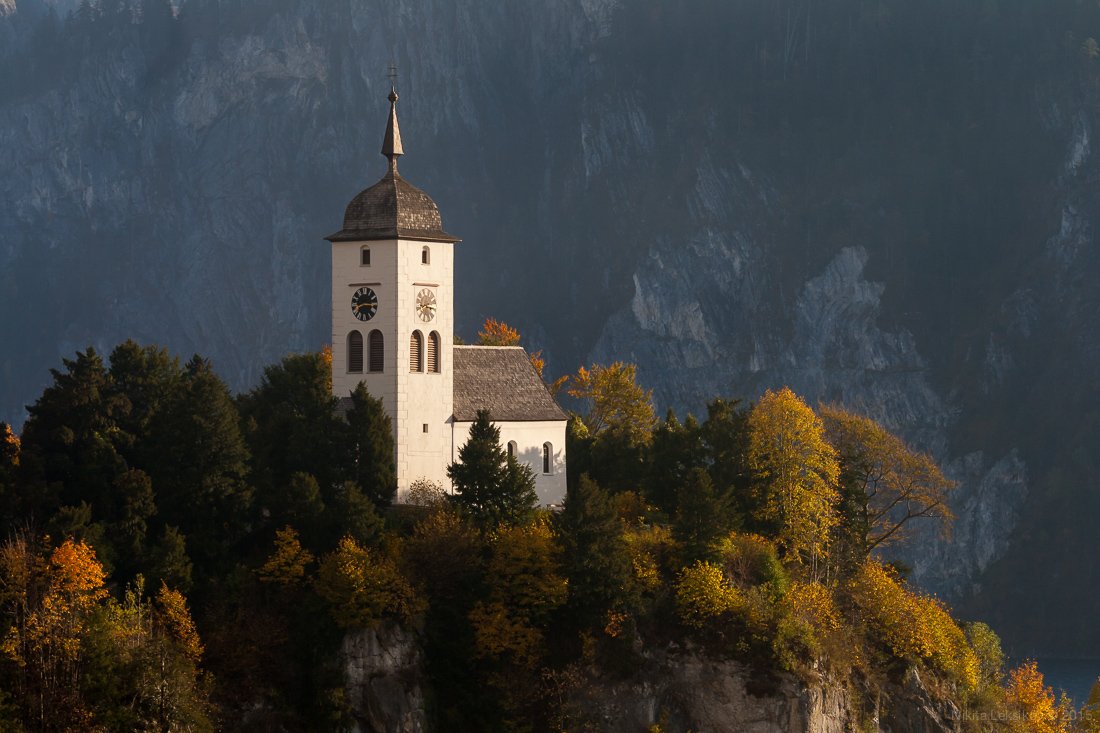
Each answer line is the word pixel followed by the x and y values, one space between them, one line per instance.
pixel 889 205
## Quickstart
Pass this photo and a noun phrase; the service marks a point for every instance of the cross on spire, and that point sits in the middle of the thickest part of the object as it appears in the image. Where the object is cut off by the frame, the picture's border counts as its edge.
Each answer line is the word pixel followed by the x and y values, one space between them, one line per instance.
pixel 391 143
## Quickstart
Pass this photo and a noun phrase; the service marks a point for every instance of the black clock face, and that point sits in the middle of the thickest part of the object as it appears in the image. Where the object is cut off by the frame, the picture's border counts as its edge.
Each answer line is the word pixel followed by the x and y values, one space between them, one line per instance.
pixel 364 304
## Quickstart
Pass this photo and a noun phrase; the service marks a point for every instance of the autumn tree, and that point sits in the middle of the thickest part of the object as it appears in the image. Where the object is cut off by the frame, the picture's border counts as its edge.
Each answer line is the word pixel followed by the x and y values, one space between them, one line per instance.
pixel 797 471
pixel 490 485
pixel 1032 703
pixel 497 333
pixel 618 418
pixel 614 403
pixel 884 483
pixel 362 587
pixel 523 588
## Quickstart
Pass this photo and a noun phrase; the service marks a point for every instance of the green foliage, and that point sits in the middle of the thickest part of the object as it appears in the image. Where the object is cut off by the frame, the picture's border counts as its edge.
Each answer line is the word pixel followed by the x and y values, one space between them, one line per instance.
pixel 676 450
pixel 372 447
pixel 700 518
pixel 200 467
pixel 750 560
pixel 596 557
pixel 491 486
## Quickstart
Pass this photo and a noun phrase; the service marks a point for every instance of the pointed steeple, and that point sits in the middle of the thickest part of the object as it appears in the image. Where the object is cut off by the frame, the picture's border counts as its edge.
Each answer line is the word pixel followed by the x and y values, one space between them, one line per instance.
pixel 391 143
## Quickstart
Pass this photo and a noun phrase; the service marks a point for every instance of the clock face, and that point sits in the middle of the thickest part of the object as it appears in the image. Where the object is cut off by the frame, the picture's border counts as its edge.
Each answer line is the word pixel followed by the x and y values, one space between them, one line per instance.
pixel 364 304
pixel 425 305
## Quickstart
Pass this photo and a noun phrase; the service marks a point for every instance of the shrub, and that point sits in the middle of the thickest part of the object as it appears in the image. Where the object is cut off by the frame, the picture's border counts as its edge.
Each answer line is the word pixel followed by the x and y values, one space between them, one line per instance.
pixel 750 559
pixel 703 594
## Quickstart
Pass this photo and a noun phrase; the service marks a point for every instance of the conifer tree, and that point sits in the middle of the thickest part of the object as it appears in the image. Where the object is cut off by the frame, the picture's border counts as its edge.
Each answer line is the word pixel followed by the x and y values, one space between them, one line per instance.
pixel 490 485
pixel 372 447
pixel 292 427
pixel 595 556
pixel 676 450
pixel 700 518
pixel 70 440
pixel 200 466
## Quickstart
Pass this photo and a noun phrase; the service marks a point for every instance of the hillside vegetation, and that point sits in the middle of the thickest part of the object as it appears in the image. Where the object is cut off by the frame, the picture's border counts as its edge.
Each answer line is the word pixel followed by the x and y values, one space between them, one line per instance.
pixel 177 558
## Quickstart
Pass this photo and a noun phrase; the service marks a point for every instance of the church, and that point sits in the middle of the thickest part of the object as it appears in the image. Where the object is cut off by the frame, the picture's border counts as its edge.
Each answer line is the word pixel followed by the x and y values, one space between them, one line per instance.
pixel 393 330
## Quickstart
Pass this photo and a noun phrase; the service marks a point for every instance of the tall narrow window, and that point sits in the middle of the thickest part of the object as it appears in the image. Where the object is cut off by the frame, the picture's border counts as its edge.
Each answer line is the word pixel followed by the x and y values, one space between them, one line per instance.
pixel 355 352
pixel 416 352
pixel 364 257
pixel 376 351
pixel 433 352
pixel 511 449
pixel 547 450
pixel 425 256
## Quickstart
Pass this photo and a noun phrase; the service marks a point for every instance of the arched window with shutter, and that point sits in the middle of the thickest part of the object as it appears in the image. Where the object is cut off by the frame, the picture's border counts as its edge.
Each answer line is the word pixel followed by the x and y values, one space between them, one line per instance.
pixel 425 256
pixel 364 256
pixel 355 352
pixel 547 458
pixel 376 351
pixel 433 352
pixel 416 352
pixel 512 448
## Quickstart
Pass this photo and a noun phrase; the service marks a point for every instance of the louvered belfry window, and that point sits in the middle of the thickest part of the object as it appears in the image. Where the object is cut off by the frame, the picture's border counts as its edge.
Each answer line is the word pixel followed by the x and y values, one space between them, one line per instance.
pixel 433 352
pixel 416 352
pixel 376 350
pixel 355 352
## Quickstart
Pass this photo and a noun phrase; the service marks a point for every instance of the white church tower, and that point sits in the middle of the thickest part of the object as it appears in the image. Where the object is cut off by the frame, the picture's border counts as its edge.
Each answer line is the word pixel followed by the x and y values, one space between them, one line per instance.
pixel 393 314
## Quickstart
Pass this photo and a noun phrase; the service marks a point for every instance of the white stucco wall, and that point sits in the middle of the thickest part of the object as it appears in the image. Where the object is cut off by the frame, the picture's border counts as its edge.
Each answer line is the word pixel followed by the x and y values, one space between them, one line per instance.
pixel 529 438
pixel 412 400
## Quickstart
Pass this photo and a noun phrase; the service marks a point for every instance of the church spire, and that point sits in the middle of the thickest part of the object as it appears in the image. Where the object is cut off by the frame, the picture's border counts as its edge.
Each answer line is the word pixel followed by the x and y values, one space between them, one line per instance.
pixel 391 143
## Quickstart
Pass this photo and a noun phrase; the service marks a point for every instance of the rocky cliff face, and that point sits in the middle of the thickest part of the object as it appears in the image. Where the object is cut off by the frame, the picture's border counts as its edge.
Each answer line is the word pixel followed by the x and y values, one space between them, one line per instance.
pixel 884 209
pixel 384 678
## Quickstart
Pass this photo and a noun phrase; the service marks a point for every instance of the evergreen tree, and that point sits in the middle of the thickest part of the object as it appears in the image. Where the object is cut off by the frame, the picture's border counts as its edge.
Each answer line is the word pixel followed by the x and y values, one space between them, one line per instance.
pixel 595 556
pixel 490 485
pixel 292 427
pixel 141 379
pixel 372 447
pixel 700 518
pixel 70 440
pixel 199 464
pixel 725 448
pixel 676 450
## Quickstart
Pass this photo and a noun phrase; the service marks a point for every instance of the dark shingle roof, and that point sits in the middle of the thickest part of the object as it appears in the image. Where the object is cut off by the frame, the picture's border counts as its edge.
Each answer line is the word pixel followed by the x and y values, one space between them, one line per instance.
pixel 389 209
pixel 500 379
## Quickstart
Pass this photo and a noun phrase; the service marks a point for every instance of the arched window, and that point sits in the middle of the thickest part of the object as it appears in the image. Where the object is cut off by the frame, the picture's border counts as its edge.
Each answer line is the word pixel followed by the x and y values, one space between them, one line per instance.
pixel 425 256
pixel 512 449
pixel 547 457
pixel 376 351
pixel 364 257
pixel 416 352
pixel 355 352
pixel 433 352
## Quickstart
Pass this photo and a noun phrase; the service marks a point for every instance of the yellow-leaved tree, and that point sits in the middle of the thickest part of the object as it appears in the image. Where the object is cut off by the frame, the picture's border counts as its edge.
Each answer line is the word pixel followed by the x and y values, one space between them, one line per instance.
pixel 1032 704
pixel 614 402
pixel 362 587
pixel 885 483
pixel 797 471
